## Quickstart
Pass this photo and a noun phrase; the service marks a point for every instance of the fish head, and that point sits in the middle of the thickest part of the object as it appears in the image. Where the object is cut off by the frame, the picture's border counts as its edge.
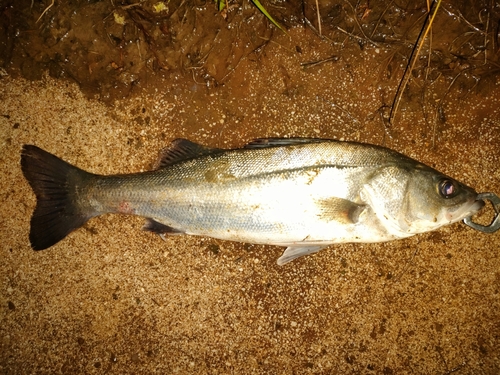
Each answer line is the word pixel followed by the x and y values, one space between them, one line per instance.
pixel 411 199
pixel 434 200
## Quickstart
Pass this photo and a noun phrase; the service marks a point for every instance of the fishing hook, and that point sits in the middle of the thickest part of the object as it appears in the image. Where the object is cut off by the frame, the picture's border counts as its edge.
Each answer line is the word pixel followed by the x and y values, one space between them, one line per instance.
pixel 495 224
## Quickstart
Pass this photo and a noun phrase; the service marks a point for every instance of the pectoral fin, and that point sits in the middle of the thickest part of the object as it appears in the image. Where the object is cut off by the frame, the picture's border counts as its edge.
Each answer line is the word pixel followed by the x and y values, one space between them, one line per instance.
pixel 338 209
pixel 294 252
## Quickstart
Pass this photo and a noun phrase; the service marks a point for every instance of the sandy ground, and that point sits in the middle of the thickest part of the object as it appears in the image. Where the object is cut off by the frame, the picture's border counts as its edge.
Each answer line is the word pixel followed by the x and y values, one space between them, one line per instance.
pixel 111 298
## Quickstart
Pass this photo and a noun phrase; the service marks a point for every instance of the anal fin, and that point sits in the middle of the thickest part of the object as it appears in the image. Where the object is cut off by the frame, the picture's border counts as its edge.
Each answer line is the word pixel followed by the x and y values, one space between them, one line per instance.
pixel 294 252
pixel 159 228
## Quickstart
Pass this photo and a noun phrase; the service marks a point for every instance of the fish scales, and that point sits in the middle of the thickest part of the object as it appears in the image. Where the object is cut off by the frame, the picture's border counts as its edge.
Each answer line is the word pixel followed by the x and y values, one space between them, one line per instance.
pixel 233 199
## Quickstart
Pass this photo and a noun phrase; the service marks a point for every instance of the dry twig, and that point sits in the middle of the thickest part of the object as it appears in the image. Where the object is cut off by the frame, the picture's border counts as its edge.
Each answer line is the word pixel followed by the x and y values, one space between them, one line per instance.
pixel 45 11
pixel 319 18
pixel 411 63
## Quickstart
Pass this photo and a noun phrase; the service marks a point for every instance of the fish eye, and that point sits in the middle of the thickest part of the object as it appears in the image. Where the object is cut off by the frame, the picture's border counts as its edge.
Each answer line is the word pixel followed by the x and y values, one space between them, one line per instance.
pixel 447 188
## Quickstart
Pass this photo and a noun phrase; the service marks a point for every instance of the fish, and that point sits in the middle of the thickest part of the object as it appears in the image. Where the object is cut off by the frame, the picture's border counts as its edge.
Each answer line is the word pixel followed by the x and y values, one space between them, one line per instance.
pixel 300 193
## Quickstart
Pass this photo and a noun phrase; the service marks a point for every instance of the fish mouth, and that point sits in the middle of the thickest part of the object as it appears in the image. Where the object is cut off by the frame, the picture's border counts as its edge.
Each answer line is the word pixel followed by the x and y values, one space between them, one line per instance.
pixel 470 208
pixel 476 206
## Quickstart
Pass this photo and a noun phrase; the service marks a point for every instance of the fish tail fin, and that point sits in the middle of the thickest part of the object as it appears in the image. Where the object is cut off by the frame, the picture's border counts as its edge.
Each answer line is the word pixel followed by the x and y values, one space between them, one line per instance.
pixel 54 183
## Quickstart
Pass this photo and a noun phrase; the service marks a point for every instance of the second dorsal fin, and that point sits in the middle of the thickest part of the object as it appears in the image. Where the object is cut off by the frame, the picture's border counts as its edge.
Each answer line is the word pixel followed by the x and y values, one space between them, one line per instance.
pixel 181 149
pixel 274 142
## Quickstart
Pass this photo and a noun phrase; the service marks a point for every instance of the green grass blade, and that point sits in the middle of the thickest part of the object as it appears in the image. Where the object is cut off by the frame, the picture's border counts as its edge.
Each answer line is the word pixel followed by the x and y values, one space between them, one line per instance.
pixel 264 11
pixel 221 4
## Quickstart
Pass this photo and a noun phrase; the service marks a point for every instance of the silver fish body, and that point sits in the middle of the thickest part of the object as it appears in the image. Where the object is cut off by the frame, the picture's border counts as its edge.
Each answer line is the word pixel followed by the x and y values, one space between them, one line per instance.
pixel 301 193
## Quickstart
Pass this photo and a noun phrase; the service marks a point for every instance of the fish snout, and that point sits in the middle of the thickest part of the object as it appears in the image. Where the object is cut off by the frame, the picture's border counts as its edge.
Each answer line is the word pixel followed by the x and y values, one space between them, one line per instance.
pixel 472 206
pixel 477 206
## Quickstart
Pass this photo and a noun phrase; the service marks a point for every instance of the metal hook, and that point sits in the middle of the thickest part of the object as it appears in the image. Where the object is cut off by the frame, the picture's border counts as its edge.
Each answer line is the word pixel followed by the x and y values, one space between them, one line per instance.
pixel 495 224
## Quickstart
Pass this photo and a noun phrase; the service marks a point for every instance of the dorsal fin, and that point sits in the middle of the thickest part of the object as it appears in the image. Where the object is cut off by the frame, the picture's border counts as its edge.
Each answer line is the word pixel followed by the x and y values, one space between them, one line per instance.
pixel 274 142
pixel 181 149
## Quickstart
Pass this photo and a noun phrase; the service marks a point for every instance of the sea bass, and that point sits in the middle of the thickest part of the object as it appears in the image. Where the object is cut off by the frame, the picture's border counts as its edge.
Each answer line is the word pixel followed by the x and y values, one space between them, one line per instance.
pixel 304 194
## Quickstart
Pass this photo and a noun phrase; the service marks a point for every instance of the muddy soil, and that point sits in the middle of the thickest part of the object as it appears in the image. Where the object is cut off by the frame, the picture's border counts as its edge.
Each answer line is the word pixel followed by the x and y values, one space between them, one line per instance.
pixel 106 84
